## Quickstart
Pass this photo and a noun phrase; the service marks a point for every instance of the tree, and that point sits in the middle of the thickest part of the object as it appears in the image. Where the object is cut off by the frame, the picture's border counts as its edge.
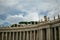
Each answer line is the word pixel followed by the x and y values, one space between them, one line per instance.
pixel 14 25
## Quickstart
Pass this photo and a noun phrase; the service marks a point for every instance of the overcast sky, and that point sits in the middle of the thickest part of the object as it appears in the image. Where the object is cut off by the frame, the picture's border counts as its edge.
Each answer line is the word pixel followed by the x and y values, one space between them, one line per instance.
pixel 14 11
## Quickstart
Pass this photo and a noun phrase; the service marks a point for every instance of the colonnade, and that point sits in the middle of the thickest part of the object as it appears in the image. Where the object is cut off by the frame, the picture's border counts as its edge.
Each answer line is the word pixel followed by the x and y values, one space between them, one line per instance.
pixel 39 34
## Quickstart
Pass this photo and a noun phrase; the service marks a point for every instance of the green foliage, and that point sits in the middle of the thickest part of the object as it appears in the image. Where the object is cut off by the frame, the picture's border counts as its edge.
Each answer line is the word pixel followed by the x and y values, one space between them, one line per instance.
pixel 24 22
pixel 32 22
pixel 14 25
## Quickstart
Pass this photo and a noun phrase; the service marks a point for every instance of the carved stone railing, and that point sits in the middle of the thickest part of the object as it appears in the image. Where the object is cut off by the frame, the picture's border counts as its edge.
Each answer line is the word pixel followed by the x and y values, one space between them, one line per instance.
pixel 35 25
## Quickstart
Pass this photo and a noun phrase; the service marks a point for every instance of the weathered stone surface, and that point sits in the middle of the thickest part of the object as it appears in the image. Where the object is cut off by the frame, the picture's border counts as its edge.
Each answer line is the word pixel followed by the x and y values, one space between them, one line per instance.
pixel 47 30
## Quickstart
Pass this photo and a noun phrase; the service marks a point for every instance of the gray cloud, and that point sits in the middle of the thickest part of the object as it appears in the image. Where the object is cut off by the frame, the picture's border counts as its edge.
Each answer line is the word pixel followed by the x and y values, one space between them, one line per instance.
pixel 13 11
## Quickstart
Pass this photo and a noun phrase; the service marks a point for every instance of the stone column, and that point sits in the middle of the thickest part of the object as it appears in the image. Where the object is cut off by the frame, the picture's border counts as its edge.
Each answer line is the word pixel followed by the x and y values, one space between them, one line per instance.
pixel 48 34
pixel 30 35
pixel 16 35
pixel 51 34
pixel 27 36
pixel 9 35
pixel 24 35
pixel 41 36
pixel 55 33
pixel 37 35
pixel 20 35
pixel 6 36
pixel 34 34
pixel 2 35
pixel 59 33
pixel 13 35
